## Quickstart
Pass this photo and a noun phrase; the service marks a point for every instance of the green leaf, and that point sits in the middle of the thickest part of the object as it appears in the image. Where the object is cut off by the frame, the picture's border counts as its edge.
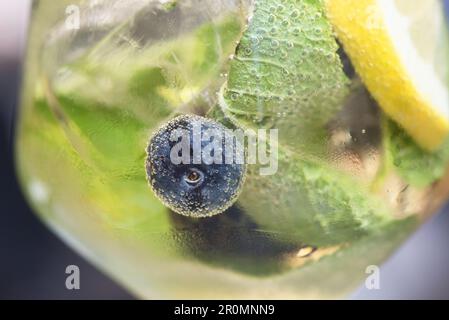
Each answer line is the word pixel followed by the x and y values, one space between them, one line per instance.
pixel 418 167
pixel 151 81
pixel 311 202
pixel 308 200
pixel 286 73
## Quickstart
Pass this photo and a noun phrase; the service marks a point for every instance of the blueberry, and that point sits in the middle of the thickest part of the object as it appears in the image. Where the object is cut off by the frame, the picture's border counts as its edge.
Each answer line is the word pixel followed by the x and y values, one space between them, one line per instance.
pixel 188 173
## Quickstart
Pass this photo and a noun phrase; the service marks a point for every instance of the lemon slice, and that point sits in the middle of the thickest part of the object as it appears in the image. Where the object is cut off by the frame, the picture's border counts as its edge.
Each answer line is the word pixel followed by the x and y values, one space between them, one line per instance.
pixel 400 50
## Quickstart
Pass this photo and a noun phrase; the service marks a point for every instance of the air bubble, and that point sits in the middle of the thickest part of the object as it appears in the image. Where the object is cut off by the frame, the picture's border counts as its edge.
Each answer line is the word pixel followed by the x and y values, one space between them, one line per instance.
pixel 284 54
pixel 255 41
pixel 261 31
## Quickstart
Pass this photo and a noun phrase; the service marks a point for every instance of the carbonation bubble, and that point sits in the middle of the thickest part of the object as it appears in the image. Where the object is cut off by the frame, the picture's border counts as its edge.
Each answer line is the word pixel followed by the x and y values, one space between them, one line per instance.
pixel 284 54
pixel 274 43
pixel 255 40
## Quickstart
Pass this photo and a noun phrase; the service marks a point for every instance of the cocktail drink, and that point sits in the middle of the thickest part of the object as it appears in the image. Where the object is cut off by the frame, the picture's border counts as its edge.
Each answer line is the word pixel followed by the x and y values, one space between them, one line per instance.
pixel 337 113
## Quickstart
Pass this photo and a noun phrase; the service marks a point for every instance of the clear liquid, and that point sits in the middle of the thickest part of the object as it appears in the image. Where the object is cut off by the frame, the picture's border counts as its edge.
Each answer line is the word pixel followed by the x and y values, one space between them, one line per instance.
pixel 92 97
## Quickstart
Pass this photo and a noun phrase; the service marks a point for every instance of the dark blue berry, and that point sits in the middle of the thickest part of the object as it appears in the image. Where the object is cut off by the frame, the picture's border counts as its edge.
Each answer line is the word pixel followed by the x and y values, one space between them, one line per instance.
pixel 199 189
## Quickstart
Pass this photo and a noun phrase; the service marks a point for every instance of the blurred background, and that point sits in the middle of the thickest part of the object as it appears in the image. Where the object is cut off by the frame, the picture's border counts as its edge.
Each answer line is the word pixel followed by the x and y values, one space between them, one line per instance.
pixel 33 260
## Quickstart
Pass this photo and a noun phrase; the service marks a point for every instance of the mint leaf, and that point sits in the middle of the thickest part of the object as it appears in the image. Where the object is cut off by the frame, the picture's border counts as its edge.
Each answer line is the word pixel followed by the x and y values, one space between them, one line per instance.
pixel 286 72
pixel 311 202
pixel 307 200
pixel 417 166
